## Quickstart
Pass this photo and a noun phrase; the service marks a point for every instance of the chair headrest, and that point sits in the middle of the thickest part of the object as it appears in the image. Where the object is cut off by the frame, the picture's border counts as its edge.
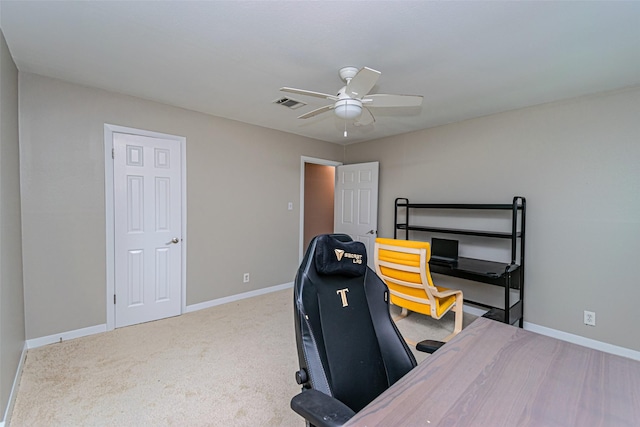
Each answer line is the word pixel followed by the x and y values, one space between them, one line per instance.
pixel 334 257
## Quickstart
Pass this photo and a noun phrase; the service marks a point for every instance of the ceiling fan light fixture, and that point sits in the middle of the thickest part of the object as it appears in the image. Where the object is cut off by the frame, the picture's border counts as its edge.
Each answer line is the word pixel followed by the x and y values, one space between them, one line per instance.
pixel 348 108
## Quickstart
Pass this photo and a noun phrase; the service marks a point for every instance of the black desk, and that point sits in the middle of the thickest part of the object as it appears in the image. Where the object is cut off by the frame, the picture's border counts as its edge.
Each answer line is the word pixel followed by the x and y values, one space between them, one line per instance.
pixel 417 218
pixel 500 274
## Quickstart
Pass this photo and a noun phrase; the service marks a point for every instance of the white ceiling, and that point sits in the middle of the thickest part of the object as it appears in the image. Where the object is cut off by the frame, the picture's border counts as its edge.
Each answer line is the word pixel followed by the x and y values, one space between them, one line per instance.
pixel 229 58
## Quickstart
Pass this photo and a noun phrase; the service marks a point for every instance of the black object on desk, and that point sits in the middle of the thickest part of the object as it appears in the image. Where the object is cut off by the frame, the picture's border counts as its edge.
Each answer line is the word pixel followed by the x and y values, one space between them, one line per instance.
pixel 444 251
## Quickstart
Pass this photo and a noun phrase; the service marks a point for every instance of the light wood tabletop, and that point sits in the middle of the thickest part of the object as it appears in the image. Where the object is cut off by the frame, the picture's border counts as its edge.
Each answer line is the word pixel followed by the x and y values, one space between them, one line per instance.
pixel 492 374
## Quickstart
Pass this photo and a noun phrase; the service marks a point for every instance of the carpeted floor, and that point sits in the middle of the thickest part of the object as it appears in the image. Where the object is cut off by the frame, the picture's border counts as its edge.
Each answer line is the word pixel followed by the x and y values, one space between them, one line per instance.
pixel 230 365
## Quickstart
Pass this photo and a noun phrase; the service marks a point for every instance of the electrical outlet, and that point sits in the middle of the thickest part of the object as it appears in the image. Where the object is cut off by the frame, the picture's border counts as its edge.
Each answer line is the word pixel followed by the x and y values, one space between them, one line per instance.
pixel 245 278
pixel 589 318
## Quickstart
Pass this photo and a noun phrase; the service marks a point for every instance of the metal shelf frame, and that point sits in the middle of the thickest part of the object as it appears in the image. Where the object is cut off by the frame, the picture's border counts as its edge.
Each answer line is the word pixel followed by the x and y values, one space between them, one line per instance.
pixel 512 277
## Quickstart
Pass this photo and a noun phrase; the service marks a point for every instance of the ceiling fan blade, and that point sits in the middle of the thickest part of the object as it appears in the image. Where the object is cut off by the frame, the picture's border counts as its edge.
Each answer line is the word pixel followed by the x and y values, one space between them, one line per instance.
pixel 309 93
pixel 366 118
pixel 362 82
pixel 386 100
pixel 316 111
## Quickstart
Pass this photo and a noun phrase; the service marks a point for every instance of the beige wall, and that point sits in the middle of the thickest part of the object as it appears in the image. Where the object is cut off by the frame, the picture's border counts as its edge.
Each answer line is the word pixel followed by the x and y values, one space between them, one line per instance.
pixel 578 164
pixel 12 332
pixel 239 181
pixel 575 161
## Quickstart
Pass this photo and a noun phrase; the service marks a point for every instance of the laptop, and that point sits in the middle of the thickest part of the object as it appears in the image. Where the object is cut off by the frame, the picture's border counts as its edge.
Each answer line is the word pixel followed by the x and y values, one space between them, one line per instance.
pixel 444 251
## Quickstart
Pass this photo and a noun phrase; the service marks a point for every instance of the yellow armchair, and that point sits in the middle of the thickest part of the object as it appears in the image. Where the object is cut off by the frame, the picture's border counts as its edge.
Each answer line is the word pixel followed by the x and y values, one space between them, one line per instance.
pixel 404 266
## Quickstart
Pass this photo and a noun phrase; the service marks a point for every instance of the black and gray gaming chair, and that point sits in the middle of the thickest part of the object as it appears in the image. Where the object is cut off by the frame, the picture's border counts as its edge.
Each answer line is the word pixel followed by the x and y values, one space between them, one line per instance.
pixel 349 349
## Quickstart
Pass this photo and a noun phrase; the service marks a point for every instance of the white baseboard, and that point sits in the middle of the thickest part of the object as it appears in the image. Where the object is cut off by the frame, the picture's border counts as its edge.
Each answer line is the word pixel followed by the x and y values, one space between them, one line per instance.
pixel 14 388
pixel 64 336
pixel 585 342
pixel 565 336
pixel 237 297
pixel 91 330
pixel 474 310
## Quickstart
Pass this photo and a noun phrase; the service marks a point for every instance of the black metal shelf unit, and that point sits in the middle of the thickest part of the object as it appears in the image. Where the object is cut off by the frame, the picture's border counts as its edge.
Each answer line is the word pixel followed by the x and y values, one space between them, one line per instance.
pixel 510 276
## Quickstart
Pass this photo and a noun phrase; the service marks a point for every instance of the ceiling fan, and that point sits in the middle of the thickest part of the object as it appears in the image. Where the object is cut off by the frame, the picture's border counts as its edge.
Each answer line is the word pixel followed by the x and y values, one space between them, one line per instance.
pixel 353 101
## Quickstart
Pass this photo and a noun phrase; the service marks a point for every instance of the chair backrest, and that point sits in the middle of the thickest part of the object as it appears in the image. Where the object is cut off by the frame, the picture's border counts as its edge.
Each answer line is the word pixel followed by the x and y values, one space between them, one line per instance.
pixel 404 266
pixel 347 343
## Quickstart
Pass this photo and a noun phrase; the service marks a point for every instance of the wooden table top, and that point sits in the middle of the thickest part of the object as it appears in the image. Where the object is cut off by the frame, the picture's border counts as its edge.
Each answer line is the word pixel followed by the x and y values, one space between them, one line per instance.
pixel 492 374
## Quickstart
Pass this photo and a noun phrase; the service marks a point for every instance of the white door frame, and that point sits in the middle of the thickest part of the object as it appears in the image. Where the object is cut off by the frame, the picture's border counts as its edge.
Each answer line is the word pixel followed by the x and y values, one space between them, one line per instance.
pixel 303 160
pixel 109 130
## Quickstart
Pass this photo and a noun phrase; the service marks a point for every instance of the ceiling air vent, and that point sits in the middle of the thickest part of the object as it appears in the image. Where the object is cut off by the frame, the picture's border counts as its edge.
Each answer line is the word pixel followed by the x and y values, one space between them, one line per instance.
pixel 288 102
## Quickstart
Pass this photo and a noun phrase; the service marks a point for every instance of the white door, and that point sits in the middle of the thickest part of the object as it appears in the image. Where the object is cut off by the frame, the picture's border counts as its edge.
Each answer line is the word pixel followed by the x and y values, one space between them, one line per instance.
pixel 148 223
pixel 356 204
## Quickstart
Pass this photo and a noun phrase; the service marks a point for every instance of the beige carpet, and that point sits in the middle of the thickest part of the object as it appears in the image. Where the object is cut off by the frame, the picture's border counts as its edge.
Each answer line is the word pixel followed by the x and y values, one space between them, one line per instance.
pixel 230 365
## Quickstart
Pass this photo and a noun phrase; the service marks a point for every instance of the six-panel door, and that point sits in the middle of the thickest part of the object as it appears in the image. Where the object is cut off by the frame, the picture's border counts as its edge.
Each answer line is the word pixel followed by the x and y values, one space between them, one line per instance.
pixel 147 201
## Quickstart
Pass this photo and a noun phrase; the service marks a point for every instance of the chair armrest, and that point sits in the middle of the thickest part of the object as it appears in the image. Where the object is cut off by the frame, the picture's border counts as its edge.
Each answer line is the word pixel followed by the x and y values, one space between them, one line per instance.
pixel 320 409
pixel 429 346
pixel 442 294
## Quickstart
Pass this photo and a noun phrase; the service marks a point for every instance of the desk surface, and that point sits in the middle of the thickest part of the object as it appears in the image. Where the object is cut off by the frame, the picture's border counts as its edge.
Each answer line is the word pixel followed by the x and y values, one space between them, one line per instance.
pixel 492 374
pixel 476 269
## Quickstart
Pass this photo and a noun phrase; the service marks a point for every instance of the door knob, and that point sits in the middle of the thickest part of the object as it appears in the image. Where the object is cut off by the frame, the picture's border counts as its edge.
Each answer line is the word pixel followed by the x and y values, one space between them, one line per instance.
pixel 371 232
pixel 174 240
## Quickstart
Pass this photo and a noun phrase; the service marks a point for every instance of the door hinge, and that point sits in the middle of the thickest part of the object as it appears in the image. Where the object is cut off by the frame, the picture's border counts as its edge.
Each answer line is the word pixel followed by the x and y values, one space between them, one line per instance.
pixel 114 298
pixel 113 153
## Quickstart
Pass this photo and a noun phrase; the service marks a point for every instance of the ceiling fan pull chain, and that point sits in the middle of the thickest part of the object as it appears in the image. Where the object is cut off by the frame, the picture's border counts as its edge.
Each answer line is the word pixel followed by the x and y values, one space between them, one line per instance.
pixel 345 123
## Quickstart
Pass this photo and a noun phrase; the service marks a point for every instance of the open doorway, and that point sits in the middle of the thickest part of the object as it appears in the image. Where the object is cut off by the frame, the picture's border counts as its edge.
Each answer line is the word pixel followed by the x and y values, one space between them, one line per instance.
pixel 353 209
pixel 317 187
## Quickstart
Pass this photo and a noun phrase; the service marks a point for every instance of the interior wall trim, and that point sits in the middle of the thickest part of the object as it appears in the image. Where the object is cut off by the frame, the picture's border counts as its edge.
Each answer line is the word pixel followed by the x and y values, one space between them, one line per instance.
pixel 64 336
pixel 554 333
pixel 237 297
pixel 476 311
pixel 585 342
pixel 14 388
pixel 92 330
pixel 565 336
